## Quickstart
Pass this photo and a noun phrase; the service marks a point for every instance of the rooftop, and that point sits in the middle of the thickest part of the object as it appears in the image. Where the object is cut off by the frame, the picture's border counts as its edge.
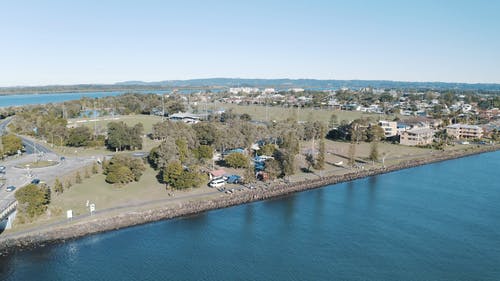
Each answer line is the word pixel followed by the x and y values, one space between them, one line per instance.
pixel 464 126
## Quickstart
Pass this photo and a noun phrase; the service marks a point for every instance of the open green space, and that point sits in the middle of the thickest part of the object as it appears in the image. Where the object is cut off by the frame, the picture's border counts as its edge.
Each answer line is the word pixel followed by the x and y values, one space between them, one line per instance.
pixel 102 122
pixel 38 164
pixel 105 195
pixel 260 112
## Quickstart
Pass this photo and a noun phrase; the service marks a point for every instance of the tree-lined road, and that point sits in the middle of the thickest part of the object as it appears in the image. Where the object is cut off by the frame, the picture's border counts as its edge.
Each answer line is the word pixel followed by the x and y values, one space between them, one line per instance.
pixel 17 176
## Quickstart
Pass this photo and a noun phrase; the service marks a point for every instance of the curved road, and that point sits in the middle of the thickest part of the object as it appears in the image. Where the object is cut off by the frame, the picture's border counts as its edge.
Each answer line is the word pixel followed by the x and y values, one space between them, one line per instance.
pixel 20 177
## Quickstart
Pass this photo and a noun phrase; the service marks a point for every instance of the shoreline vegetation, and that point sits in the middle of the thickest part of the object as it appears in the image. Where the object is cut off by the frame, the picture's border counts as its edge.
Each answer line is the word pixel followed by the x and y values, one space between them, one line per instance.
pixel 32 238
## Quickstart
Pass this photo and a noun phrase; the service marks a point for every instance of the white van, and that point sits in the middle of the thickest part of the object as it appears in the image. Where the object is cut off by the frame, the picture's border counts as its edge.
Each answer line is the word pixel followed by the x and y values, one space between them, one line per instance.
pixel 217 183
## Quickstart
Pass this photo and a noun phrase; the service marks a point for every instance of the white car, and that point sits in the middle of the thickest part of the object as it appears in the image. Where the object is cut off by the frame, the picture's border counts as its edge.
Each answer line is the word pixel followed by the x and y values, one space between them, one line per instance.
pixel 217 183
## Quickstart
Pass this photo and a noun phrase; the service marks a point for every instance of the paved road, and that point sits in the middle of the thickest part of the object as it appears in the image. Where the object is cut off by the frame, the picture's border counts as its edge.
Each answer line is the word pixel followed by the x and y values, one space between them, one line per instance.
pixel 21 176
pixel 182 198
pixel 29 145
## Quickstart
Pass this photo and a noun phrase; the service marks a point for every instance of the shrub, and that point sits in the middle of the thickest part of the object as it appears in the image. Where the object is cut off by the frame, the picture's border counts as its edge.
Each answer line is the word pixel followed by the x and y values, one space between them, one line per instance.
pixel 237 160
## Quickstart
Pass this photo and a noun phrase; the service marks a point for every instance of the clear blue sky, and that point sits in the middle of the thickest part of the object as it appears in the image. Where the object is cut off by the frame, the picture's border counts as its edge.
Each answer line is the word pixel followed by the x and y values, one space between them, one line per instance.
pixel 67 42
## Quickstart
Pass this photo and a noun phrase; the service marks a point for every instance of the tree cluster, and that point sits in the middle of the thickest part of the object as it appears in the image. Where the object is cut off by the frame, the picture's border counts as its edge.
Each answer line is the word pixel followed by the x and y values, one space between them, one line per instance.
pixel 11 144
pixel 33 200
pixel 179 177
pixel 123 169
pixel 122 137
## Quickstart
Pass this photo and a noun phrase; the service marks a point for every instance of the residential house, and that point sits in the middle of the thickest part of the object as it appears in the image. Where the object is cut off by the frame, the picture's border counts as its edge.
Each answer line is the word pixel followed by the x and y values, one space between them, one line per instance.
pixel 420 136
pixel 390 128
pixel 463 131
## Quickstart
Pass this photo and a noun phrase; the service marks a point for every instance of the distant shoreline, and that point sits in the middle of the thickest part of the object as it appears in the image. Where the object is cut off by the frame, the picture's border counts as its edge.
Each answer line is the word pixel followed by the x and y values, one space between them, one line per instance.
pixel 130 218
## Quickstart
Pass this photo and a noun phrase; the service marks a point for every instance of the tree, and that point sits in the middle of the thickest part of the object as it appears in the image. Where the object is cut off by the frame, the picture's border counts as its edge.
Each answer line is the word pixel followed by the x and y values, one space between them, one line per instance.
pixel 68 184
pixel 175 106
pixel 177 177
pixel 164 153
pixel 207 133
pixel 374 151
pixel 204 152
pixel 78 178
pixel 86 174
pixel 287 161
pixel 183 150
pixel 175 130
pixel 272 169
pixel 249 176
pixel 351 154
pixel 95 168
pixel 291 143
pixel 116 173
pixel 245 117
pixel 11 144
pixel 320 162
pixel 357 132
pixel 237 160
pixel 119 174
pixel 189 179
pixel 58 187
pixel 375 133
pixel 172 172
pixel 32 200
pixel 310 161
pixel 121 136
pixel 79 136
pixel 267 149
pixel 333 121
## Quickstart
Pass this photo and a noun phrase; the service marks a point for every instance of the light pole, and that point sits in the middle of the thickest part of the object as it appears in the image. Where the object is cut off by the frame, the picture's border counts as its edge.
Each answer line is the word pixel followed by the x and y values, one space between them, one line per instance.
pixel 162 106
pixel 383 159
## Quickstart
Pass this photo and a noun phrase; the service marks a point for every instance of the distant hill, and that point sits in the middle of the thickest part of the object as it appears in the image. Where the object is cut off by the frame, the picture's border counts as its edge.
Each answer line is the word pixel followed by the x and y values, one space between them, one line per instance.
pixel 213 83
pixel 315 84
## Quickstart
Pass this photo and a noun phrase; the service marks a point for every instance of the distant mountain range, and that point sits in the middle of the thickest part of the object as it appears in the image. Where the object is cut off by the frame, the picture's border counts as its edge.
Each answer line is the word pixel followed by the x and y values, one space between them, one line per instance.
pixel 313 84
pixel 214 83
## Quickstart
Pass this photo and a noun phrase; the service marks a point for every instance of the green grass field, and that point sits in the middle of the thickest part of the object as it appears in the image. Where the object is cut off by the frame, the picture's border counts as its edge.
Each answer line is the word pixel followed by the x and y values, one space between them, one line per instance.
pixel 261 113
pixel 105 195
pixel 147 120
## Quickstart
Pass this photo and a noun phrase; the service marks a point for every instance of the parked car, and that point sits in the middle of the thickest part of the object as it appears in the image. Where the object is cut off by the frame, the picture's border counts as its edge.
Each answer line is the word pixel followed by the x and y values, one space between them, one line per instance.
pixel 3 169
pixel 10 188
pixel 35 181
pixel 217 183
pixel 234 179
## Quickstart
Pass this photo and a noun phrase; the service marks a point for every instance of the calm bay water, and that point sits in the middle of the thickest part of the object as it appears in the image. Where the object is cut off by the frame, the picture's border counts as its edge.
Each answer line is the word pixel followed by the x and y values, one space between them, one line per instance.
pixel 17 100
pixel 436 222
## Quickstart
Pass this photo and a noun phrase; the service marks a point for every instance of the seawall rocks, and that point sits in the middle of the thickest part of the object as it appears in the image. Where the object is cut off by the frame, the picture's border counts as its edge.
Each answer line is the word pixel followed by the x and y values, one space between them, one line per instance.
pixel 132 218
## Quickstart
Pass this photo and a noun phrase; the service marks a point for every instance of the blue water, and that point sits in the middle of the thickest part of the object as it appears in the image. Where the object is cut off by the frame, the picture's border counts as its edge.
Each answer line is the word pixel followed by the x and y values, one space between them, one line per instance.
pixel 17 100
pixel 436 222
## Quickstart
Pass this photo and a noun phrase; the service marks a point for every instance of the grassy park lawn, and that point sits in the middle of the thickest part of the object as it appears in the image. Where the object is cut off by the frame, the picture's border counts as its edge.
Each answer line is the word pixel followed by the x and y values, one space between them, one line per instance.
pixel 258 112
pixel 39 164
pixel 105 195
pixel 102 122
pixel 147 145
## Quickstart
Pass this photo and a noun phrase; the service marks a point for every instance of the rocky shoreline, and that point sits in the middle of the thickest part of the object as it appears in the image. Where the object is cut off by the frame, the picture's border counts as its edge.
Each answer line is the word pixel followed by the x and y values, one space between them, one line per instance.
pixel 132 218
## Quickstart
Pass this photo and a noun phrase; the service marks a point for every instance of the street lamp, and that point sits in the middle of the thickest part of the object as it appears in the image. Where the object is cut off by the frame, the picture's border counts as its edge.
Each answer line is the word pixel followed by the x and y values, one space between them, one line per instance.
pixel 383 159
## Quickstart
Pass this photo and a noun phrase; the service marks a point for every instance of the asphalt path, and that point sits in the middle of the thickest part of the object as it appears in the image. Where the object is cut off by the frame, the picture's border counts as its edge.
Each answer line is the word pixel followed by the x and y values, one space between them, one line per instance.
pixel 17 176
pixel 109 210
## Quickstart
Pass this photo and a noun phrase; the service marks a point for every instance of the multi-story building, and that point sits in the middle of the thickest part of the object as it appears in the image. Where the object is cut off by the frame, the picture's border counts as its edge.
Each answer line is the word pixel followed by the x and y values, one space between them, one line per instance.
pixel 421 136
pixel 462 131
pixel 390 128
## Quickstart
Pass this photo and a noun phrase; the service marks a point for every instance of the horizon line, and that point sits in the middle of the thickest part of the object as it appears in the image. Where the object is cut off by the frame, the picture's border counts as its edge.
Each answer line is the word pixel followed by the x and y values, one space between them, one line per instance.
pixel 236 78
